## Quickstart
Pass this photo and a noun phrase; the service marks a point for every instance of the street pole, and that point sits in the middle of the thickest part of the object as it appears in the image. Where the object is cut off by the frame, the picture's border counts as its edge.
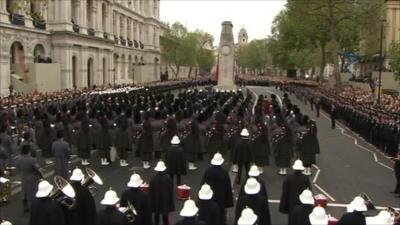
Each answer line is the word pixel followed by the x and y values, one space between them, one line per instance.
pixel 382 20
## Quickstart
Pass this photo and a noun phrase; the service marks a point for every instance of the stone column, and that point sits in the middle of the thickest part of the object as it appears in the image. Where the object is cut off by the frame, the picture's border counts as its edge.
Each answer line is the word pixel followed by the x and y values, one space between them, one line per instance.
pixel 82 75
pixel 5 60
pixel 76 12
pixel 3 12
pixel 83 17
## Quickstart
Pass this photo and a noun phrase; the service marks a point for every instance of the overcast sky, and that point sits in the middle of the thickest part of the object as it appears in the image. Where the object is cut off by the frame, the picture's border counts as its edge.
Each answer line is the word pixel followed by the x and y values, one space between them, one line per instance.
pixel 255 16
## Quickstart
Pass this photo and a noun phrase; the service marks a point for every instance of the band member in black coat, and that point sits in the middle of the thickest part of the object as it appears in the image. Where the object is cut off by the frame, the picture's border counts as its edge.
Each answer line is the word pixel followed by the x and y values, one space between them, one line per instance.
pixel 292 187
pixel 45 210
pixel 175 160
pixel 300 213
pixel 354 213
pixel 189 214
pixel 84 210
pixel 146 144
pixel 110 215
pixel 243 154
pixel 254 200
pixel 333 116
pixel 219 181
pixel 209 211
pixel 104 141
pixel 161 194
pixel 138 199
pixel 83 142
pixel 255 172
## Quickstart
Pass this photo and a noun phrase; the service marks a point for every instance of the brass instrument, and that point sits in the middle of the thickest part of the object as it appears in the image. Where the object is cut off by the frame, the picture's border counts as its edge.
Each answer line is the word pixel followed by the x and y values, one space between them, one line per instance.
pixel 92 178
pixel 130 212
pixel 368 202
pixel 5 188
pixel 64 193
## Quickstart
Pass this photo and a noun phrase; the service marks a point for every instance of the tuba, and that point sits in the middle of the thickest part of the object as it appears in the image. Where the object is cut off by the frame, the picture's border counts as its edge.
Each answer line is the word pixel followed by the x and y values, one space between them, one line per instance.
pixel 64 193
pixel 92 178
pixel 130 212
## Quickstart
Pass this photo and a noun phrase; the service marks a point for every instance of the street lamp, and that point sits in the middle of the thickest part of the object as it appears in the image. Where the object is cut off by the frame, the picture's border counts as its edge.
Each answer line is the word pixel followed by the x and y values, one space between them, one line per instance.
pixel 383 21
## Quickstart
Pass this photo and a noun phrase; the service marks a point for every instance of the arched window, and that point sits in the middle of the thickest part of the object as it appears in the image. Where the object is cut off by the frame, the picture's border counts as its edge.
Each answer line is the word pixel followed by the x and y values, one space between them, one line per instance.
pixel 90 71
pixel 38 53
pixel 17 56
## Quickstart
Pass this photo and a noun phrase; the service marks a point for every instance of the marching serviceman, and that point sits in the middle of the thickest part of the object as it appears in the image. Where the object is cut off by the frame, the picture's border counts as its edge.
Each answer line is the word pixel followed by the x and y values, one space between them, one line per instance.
pixel 354 213
pixel 243 154
pixel 292 187
pixel 84 210
pixel 138 199
pixel 146 144
pixel 308 146
pixel 281 144
pixel 209 211
pixel 104 142
pixel 122 140
pixel 261 149
pixel 175 160
pixel 45 210
pixel 110 215
pixel 189 214
pixel 218 179
pixel 30 175
pixel 247 217
pixel 300 213
pixel 161 194
pixel 254 200
pixel 62 154
pixel 192 144
pixel 83 142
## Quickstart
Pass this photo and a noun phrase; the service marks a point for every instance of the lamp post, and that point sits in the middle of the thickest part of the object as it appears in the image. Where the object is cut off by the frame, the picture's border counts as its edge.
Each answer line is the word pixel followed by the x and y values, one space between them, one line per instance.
pixel 382 20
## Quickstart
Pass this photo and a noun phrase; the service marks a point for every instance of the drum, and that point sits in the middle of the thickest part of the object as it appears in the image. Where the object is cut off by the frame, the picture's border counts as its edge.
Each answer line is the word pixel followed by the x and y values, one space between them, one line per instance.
pixel 183 192
pixel 321 200
pixel 332 221
pixel 144 188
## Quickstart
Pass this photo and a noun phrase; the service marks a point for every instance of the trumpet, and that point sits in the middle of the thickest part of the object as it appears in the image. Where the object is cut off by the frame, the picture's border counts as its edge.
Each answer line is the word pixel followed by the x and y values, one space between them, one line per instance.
pixel 92 178
pixel 64 194
pixel 130 212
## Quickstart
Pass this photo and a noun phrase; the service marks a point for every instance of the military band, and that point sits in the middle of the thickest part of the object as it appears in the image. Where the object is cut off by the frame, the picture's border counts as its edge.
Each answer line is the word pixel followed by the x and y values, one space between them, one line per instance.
pixel 169 132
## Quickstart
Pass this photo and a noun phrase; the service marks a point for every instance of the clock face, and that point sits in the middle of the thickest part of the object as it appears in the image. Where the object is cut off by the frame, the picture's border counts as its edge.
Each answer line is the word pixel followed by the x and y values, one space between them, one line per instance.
pixel 226 50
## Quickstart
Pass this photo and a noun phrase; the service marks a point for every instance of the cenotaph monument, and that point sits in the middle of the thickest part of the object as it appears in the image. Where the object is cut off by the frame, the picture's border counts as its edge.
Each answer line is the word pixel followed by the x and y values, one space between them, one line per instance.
pixel 226 58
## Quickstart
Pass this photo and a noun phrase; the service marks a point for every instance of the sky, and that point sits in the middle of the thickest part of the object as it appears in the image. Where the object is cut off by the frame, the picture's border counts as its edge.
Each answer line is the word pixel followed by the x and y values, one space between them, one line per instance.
pixel 255 16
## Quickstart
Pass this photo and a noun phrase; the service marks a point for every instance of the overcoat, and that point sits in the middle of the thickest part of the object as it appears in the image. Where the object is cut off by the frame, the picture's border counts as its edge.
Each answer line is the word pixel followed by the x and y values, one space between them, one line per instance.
pixel 219 181
pixel 293 185
pixel 161 193
pixel 62 154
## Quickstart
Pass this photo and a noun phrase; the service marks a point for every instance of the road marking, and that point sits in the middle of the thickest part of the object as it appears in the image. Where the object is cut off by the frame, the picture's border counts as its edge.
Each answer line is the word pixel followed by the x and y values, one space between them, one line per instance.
pixel 255 102
pixel 325 193
pixel 316 174
pixel 360 146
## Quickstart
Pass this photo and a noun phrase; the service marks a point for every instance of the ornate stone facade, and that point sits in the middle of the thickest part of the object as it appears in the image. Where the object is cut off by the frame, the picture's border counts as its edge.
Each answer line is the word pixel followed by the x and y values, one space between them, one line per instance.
pixel 96 42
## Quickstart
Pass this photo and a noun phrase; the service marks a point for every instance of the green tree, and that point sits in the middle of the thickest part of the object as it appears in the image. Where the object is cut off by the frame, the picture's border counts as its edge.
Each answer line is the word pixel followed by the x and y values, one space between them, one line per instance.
pixel 180 47
pixel 253 56
pixel 395 59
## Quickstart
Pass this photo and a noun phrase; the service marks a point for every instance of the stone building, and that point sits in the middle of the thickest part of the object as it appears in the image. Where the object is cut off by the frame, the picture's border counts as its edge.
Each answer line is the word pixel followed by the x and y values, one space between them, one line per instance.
pixel 95 42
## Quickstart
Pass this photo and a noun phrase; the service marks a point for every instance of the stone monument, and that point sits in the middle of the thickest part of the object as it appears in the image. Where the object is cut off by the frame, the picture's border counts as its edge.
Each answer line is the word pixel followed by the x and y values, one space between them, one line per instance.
pixel 226 58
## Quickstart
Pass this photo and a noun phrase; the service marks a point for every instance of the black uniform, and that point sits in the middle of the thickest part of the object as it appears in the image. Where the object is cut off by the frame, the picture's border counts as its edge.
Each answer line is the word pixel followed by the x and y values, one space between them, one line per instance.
pixel 299 214
pixel 292 187
pixel 258 203
pixel 141 202
pixel 220 183
pixel 176 162
pixel 352 218
pixel 46 211
pixel 110 215
pixel 243 156
pixel 209 212
pixel 161 196
pixel 84 211
pixel 190 221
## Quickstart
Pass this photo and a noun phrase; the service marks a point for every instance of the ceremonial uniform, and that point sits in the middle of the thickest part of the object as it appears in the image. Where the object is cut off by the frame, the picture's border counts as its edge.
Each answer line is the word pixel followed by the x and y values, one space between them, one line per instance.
pixel 141 202
pixel 209 212
pixel 84 210
pixel 110 215
pixel 46 211
pixel 62 154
